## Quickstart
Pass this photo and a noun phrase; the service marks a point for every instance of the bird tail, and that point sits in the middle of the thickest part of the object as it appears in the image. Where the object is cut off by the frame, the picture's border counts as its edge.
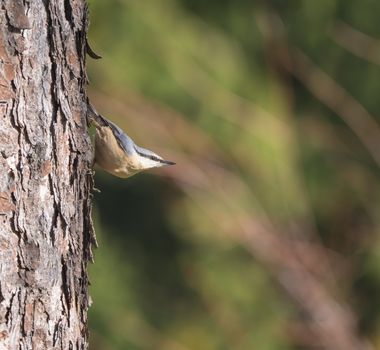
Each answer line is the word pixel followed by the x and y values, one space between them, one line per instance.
pixel 95 117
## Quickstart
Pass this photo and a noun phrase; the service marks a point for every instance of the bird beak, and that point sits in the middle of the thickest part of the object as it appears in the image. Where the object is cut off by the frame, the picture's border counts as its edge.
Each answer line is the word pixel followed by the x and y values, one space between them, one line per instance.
pixel 168 162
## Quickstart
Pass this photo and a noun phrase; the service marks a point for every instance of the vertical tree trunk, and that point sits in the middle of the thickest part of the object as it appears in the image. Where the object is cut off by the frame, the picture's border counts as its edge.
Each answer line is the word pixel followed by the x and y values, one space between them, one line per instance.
pixel 45 166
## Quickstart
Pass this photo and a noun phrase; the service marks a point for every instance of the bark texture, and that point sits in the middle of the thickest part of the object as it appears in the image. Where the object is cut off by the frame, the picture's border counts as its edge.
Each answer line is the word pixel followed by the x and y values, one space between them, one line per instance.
pixel 45 175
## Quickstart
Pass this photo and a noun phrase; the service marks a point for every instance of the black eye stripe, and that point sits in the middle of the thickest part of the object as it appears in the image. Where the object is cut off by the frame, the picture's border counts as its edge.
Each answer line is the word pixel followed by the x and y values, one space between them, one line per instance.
pixel 150 157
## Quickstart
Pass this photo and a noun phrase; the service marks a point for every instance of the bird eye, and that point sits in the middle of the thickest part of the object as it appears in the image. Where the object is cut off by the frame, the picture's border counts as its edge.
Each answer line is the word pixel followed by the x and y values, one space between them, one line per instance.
pixel 155 158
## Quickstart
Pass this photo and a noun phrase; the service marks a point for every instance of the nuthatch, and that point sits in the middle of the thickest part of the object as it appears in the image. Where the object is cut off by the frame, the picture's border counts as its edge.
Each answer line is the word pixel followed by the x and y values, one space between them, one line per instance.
pixel 115 151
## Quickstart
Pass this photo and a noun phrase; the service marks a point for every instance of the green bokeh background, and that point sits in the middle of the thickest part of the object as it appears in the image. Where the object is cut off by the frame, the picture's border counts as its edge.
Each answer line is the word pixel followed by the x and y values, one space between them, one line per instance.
pixel 235 92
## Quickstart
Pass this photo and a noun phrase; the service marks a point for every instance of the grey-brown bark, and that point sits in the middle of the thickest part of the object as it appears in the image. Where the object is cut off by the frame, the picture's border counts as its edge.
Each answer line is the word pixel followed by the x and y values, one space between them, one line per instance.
pixel 45 175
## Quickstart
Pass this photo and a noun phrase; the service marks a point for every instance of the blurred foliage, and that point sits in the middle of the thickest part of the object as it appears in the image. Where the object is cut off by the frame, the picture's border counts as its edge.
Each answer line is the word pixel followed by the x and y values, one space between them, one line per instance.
pixel 269 113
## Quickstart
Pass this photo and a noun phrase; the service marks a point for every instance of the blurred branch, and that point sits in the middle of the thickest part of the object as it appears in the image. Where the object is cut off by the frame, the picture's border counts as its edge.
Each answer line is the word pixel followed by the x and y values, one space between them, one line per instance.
pixel 329 92
pixel 321 85
pixel 356 42
pixel 288 260
pixel 331 321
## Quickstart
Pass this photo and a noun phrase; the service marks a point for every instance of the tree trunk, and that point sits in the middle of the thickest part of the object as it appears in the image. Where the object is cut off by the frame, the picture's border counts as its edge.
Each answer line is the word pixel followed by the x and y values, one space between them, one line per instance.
pixel 45 165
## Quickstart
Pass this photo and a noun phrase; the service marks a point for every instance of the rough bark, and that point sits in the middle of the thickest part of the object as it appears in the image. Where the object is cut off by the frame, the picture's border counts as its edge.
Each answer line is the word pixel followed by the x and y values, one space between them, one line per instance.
pixel 45 166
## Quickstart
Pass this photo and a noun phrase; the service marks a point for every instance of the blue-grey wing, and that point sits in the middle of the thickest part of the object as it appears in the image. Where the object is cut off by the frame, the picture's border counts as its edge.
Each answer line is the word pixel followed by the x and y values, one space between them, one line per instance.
pixel 122 138
pixel 145 152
